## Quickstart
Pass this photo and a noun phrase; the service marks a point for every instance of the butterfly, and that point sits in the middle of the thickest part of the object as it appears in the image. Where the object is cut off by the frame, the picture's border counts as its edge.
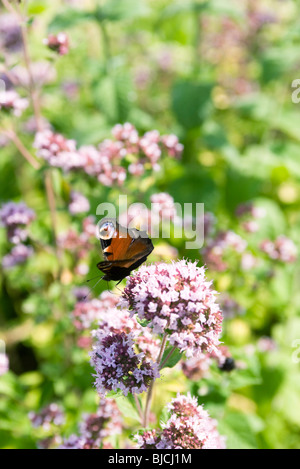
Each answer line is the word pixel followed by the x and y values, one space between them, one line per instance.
pixel 124 249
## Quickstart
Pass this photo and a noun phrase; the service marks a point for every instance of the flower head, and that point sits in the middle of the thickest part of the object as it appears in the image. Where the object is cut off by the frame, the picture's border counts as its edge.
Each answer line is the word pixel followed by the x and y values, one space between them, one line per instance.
pixel 57 150
pixel 14 216
pixel 104 422
pixel 51 414
pixel 176 298
pixel 11 101
pixel 78 203
pixel 19 254
pixel 119 367
pixel 189 427
pixel 282 249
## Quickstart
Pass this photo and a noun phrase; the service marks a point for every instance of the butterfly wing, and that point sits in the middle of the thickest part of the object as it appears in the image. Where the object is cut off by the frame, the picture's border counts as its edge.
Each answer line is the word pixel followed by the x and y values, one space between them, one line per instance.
pixel 124 252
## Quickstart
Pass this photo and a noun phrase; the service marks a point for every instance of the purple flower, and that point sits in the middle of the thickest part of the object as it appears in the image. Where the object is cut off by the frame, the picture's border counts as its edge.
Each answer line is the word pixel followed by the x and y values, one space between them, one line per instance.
pixel 189 427
pixel 95 427
pixel 178 299
pixel 49 415
pixel 19 254
pixel 12 215
pixel 119 367
pixel 74 442
pixel 103 423
pixel 10 32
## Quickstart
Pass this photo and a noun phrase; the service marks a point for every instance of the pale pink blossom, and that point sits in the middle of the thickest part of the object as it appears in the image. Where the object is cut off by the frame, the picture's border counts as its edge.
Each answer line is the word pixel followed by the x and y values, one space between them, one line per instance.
pixel 189 427
pixel 176 297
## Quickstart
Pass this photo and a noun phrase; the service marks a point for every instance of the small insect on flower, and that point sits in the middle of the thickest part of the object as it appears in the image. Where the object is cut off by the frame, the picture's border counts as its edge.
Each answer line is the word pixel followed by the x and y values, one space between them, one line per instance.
pixel 123 249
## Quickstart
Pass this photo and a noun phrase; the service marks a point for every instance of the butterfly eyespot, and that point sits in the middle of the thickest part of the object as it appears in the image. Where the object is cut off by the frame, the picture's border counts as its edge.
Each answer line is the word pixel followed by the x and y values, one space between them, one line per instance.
pixel 106 230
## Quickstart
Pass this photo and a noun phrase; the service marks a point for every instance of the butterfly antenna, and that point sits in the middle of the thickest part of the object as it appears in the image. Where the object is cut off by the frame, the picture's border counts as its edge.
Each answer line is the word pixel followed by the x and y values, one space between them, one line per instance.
pixel 93 287
pixel 90 279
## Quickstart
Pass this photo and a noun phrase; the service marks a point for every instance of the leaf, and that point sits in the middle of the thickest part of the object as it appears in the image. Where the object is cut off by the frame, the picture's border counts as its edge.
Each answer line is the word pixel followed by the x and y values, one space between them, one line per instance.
pixel 173 359
pixel 191 102
pixel 179 8
pixel 69 18
pixel 114 10
pixel 127 406
pixel 112 95
pixel 238 431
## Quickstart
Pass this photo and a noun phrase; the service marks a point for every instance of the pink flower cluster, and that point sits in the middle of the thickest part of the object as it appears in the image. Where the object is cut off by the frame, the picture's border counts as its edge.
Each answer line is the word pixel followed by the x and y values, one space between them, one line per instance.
pixel 78 203
pixel 282 249
pixel 176 298
pixel 216 249
pixel 4 363
pixel 56 150
pixel 197 367
pixel 250 213
pixel 119 367
pixel 79 243
pixel 58 42
pixel 95 427
pixel 189 427
pixel 112 320
pixel 226 39
pixel 250 209
pixel 11 101
pixel 105 160
pixel 87 313
pixel 163 204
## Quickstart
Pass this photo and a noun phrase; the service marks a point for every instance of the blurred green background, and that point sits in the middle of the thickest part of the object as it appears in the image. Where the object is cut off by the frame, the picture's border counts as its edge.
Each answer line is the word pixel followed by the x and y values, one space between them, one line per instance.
pixel 218 75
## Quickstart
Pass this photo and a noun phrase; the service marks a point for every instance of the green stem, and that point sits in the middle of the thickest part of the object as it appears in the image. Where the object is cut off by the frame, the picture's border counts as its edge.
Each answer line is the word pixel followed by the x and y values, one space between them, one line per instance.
pixel 150 390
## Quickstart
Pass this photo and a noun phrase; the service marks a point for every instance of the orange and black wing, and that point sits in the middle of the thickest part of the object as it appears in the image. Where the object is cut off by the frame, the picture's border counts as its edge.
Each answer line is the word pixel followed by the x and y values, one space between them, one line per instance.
pixel 124 252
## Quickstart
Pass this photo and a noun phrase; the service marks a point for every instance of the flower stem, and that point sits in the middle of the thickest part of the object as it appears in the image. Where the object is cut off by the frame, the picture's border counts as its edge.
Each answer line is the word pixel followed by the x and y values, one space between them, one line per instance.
pixel 138 406
pixel 52 206
pixel 150 390
pixel 11 134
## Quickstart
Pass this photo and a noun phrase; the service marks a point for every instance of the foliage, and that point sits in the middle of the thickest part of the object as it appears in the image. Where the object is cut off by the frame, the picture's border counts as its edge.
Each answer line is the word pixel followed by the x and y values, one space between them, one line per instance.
pixel 219 77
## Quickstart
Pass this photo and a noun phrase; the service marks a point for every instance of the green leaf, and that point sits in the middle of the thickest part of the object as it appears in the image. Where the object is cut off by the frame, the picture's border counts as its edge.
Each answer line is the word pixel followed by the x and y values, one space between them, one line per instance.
pixel 173 359
pixel 238 431
pixel 69 18
pixel 127 406
pixel 116 10
pixel 191 102
pixel 179 8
